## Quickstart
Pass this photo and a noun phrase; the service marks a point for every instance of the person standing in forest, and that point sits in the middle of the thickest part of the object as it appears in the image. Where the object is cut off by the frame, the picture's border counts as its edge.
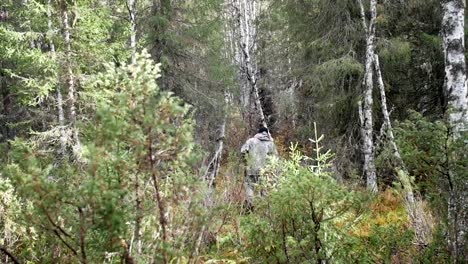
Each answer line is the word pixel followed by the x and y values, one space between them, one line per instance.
pixel 255 152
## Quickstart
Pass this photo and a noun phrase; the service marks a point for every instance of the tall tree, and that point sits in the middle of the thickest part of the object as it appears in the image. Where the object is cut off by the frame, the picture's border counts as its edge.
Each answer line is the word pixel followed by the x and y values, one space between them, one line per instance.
pixel 367 147
pixel 412 199
pixel 70 78
pixel 453 35
pixel 133 40
pixel 245 14
pixel 136 241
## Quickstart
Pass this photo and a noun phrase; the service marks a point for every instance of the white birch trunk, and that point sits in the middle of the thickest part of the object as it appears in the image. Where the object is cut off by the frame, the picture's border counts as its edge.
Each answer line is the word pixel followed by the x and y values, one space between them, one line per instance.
pixel 246 14
pixel 386 115
pixel 137 232
pixel 132 11
pixel 71 85
pixel 453 35
pixel 215 163
pixel 367 147
pixel 413 203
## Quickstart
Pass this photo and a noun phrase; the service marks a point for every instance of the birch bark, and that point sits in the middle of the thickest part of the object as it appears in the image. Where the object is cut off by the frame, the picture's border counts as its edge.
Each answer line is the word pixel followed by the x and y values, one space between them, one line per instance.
pixel 215 163
pixel 413 203
pixel 132 11
pixel 453 35
pixel 70 79
pixel 137 234
pixel 367 147
pixel 246 14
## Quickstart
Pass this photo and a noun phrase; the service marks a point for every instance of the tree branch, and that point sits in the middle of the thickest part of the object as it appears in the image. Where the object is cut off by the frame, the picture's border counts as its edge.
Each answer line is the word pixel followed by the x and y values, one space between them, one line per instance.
pixel 9 254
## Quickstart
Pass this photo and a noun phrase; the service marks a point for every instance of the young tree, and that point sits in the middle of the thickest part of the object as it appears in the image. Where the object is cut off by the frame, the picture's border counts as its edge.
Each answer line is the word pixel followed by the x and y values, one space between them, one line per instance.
pixel 82 210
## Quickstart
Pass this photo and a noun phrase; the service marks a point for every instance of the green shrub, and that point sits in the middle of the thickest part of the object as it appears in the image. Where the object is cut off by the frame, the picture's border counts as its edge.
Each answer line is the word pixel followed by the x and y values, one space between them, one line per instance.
pixel 305 216
pixel 135 173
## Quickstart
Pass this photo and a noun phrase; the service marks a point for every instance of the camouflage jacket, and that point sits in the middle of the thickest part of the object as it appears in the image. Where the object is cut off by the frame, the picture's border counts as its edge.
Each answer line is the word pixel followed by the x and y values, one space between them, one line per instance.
pixel 256 151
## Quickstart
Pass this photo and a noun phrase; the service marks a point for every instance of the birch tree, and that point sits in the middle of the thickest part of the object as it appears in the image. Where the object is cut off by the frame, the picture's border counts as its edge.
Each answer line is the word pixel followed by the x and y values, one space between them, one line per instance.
pixel 135 241
pixel 455 64
pixel 453 35
pixel 245 14
pixel 365 109
pixel 133 41
pixel 413 202
pixel 70 77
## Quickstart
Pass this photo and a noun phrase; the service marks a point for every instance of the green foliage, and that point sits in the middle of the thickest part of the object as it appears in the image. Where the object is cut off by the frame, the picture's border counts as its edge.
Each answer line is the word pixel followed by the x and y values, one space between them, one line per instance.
pixel 411 57
pixel 332 72
pixel 20 44
pixel 437 159
pixel 139 135
pixel 382 234
pixel 396 53
pixel 144 123
pixel 31 72
pixel 14 232
pixel 321 45
pixel 304 217
pixel 187 38
pixel 325 58
pixel 385 244
pixel 99 36
pixel 436 252
pixel 139 160
pixel 423 148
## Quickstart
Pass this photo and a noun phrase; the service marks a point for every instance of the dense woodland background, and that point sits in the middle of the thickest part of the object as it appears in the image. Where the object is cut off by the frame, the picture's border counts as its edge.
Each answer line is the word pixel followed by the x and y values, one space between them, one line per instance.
pixel 121 123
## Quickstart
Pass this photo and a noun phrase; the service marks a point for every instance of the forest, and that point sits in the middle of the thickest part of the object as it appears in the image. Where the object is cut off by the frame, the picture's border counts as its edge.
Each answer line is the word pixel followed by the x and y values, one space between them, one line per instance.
pixel 233 131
